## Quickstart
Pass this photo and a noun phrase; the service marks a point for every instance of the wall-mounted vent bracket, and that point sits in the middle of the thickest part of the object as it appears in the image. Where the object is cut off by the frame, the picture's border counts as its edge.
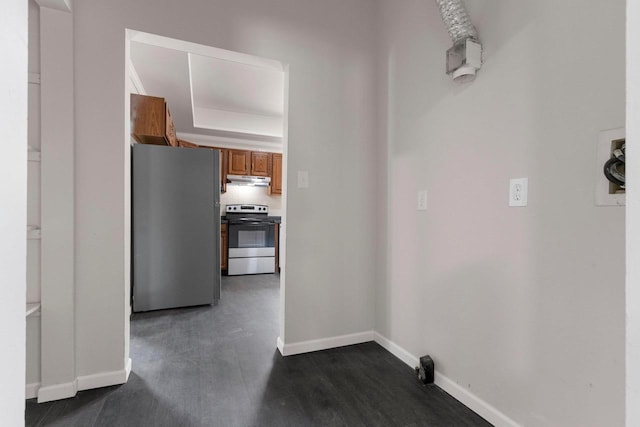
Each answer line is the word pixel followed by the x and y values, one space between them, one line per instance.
pixel 464 59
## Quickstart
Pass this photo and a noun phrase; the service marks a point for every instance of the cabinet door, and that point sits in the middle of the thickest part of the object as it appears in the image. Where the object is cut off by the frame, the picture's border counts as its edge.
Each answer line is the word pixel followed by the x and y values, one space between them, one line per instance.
pixel 224 245
pixel 239 162
pixel 276 174
pixel 260 163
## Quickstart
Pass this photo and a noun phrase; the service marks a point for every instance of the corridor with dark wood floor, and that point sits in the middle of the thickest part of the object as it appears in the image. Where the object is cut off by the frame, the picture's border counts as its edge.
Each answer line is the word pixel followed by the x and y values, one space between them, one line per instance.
pixel 219 366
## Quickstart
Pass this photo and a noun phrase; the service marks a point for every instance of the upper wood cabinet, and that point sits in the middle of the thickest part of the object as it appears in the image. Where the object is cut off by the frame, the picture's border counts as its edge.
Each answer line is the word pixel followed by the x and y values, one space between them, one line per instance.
pixel 276 174
pixel 260 163
pixel 244 162
pixel 186 144
pixel 223 160
pixel 151 121
pixel 170 129
pixel 238 162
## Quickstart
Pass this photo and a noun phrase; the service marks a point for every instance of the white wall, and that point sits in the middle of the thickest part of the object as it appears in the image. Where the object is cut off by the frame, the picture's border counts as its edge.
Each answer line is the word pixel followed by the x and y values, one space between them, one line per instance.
pixel 13 215
pixel 57 205
pixel 238 194
pixel 329 46
pixel 522 307
pixel 633 208
pixel 33 206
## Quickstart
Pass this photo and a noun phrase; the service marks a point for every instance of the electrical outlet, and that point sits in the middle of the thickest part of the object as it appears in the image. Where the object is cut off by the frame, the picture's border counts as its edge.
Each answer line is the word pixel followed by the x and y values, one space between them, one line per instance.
pixel 518 191
pixel 422 200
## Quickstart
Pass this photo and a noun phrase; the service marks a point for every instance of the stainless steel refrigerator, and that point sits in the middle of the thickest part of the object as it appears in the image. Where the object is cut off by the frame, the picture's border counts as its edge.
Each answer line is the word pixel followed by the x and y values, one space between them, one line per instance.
pixel 175 227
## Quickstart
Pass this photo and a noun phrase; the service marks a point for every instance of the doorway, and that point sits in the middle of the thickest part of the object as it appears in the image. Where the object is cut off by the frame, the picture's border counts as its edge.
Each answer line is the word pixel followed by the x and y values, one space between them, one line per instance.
pixel 206 91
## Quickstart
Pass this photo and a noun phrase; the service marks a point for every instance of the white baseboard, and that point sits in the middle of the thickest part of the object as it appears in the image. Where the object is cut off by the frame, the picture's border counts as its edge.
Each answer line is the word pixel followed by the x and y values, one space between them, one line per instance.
pixel 479 406
pixel 57 392
pixel 324 343
pixel 280 345
pixel 396 350
pixel 104 379
pixel 86 382
pixel 127 370
pixel 31 390
pixel 482 408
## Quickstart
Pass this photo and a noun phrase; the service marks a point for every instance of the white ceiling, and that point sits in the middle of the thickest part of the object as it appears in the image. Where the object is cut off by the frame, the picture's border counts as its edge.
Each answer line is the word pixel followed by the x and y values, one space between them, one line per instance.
pixel 233 86
pixel 213 96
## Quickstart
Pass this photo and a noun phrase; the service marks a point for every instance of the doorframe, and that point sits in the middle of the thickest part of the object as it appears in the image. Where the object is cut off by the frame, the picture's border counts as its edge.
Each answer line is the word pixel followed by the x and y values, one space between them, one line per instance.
pixel 171 43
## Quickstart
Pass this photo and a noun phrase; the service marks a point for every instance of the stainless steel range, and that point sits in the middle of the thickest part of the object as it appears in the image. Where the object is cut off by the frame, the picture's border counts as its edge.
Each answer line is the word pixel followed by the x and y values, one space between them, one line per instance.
pixel 251 240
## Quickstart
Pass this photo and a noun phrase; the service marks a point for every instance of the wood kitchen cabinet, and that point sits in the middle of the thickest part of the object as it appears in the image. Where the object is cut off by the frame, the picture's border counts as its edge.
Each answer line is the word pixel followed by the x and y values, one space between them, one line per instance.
pixel 224 246
pixel 276 174
pixel 260 163
pixel 244 162
pixel 223 160
pixel 186 144
pixel 151 121
pixel 238 162
pixel 170 128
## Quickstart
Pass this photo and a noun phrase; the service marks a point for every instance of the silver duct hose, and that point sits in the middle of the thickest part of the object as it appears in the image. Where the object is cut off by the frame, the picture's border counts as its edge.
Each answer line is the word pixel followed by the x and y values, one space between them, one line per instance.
pixel 457 20
pixel 464 59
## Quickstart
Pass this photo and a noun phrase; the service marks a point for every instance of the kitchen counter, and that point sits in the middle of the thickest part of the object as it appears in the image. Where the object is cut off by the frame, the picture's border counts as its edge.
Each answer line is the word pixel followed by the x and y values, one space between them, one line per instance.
pixel 275 219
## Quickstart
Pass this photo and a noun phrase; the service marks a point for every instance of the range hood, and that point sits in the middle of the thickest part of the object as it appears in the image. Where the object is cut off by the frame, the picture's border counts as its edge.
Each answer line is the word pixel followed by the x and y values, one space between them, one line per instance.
pixel 253 181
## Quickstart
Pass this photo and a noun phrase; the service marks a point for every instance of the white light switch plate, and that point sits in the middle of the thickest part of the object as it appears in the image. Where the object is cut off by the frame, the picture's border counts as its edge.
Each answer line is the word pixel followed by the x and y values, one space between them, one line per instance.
pixel 518 191
pixel 303 179
pixel 422 200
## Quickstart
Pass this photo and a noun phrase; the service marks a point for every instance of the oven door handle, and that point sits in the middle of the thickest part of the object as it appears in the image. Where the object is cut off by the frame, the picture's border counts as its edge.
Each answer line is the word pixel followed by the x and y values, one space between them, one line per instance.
pixel 252 224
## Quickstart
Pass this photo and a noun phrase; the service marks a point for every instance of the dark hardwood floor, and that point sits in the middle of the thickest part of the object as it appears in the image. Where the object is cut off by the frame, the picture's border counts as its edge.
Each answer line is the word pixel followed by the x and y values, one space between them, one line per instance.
pixel 218 366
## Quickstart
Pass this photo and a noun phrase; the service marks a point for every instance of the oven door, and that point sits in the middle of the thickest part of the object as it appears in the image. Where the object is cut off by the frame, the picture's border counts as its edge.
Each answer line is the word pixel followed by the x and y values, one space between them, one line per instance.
pixel 251 248
pixel 256 234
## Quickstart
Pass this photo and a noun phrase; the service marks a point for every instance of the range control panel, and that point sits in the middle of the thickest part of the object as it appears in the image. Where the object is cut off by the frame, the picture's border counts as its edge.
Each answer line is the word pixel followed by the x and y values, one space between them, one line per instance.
pixel 247 209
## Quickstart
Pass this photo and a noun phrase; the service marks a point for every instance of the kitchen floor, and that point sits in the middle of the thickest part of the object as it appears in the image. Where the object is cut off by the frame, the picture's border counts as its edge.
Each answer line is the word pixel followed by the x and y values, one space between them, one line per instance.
pixel 218 366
